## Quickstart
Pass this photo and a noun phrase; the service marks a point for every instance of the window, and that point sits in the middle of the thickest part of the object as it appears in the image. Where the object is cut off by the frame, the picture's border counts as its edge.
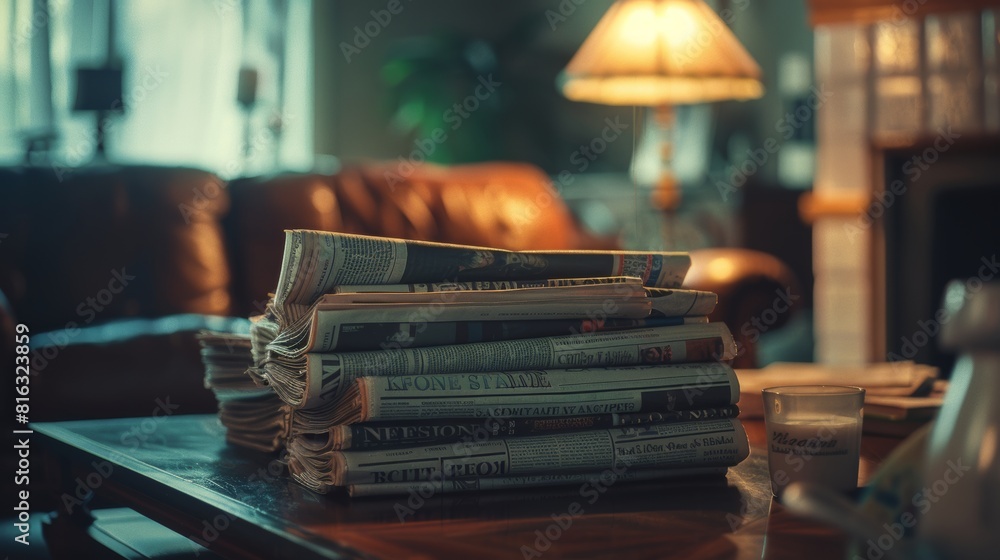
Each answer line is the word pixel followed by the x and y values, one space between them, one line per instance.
pixel 181 62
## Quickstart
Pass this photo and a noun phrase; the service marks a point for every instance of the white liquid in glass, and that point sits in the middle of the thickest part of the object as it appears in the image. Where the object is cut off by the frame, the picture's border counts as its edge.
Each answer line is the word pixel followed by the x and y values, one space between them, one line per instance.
pixel 822 451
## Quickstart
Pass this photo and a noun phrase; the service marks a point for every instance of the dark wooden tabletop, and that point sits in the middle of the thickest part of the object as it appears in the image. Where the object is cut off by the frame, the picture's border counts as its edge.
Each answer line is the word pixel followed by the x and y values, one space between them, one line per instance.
pixel 180 472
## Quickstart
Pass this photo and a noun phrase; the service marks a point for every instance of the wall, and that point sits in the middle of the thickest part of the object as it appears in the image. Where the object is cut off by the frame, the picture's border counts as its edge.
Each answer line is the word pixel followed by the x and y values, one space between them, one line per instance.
pixel 353 120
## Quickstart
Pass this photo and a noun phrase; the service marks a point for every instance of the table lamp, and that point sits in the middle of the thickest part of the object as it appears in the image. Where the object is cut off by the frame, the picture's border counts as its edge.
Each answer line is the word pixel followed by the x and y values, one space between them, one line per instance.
pixel 661 53
pixel 99 90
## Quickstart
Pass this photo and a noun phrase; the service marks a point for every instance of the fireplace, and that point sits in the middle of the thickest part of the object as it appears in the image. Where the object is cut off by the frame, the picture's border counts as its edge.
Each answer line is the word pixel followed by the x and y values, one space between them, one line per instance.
pixel 945 225
pixel 907 173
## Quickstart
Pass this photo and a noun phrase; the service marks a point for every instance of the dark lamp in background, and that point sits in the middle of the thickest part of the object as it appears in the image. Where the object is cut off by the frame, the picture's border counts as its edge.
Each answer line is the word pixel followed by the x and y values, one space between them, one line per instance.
pixel 99 90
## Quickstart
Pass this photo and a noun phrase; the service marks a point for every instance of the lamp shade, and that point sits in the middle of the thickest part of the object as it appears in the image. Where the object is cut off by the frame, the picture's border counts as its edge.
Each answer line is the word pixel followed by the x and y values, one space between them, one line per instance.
pixel 659 52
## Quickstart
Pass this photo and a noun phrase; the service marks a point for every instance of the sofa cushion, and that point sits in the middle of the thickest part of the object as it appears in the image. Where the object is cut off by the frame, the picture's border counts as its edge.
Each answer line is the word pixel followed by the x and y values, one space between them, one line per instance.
pixel 94 244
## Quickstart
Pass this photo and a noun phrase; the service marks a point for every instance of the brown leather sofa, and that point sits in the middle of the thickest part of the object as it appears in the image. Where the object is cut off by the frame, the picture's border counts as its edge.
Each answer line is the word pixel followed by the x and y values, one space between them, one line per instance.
pixel 121 265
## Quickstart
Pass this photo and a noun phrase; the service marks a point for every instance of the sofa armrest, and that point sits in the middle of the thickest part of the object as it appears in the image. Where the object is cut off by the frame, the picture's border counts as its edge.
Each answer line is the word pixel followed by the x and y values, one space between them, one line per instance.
pixel 757 293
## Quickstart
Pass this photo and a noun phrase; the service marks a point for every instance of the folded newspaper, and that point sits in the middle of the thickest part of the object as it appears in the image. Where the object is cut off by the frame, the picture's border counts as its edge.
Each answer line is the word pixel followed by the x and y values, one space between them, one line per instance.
pixel 350 336
pixel 538 394
pixel 598 478
pixel 392 434
pixel 364 320
pixel 477 285
pixel 316 380
pixel 713 443
pixel 316 262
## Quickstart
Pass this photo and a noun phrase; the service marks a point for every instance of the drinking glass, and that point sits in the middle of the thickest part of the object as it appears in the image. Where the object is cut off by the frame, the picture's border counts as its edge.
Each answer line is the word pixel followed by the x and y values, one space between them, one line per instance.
pixel 813 435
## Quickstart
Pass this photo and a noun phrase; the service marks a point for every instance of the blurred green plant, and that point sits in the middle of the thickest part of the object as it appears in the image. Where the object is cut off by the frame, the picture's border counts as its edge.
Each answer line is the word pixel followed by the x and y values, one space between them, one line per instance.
pixel 428 79
pixel 432 83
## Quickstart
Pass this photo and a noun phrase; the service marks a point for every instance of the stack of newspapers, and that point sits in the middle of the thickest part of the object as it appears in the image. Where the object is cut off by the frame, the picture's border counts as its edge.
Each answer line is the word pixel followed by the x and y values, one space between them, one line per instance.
pixel 404 365
pixel 254 416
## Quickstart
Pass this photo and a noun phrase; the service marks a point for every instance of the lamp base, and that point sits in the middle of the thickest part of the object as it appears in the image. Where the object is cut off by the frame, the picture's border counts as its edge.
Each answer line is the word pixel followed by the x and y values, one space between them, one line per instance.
pixel 666 195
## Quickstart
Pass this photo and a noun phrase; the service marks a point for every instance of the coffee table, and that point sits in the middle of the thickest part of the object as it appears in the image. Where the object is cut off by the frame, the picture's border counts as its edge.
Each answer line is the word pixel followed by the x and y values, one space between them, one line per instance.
pixel 176 480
